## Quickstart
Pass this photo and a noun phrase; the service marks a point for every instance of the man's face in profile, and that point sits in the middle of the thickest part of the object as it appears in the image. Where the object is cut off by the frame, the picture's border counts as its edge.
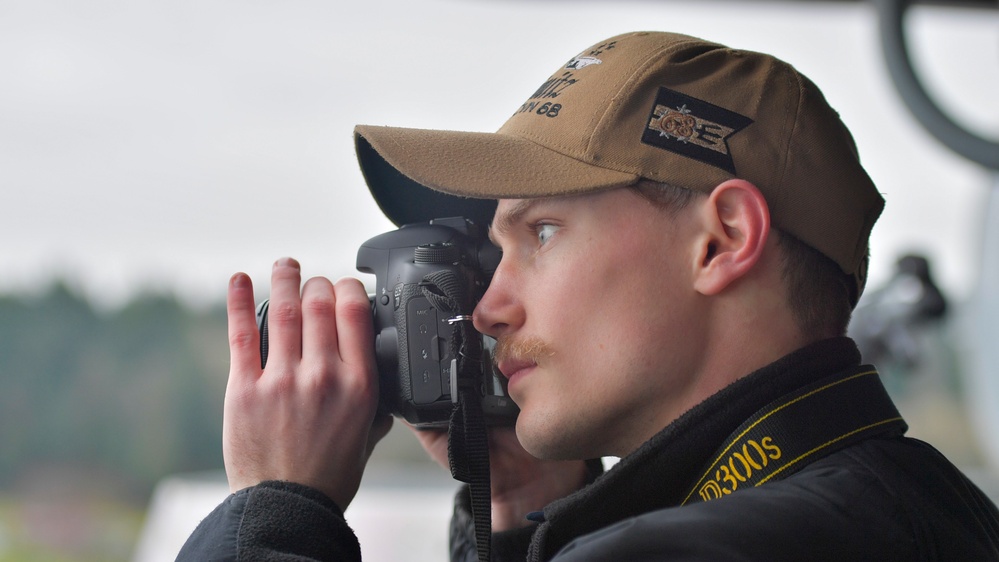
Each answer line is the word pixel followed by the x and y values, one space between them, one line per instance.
pixel 593 311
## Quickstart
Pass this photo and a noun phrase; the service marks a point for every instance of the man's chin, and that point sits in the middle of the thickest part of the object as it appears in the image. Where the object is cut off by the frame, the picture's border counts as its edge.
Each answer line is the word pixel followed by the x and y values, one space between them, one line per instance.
pixel 545 443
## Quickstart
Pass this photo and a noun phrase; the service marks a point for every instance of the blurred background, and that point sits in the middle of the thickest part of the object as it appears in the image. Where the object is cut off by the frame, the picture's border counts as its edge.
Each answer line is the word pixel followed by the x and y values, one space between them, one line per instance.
pixel 150 149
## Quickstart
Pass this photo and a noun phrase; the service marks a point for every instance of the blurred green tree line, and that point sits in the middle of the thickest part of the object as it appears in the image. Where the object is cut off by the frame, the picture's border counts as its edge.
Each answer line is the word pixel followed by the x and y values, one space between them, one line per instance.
pixel 131 395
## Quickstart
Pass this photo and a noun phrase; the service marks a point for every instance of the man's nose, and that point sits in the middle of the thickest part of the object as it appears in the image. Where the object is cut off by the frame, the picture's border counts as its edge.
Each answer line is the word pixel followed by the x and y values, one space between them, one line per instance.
pixel 500 310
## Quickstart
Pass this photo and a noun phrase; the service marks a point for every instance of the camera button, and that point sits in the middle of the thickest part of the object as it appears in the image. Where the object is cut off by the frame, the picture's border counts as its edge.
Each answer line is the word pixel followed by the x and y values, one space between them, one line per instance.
pixel 436 352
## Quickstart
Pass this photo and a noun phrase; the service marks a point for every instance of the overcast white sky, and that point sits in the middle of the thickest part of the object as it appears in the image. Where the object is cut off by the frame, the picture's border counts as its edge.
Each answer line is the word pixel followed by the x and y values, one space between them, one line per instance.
pixel 156 144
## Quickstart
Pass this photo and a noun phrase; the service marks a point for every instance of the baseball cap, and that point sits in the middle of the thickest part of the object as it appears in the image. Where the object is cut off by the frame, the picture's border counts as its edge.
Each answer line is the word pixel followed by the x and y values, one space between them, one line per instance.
pixel 661 106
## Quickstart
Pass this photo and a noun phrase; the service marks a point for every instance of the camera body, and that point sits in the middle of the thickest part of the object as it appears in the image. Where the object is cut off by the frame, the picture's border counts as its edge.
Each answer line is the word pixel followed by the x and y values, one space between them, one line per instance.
pixel 414 335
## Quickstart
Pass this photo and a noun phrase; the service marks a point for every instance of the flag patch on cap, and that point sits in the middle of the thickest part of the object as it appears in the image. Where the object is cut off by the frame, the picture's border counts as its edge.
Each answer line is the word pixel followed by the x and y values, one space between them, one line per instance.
pixel 694 128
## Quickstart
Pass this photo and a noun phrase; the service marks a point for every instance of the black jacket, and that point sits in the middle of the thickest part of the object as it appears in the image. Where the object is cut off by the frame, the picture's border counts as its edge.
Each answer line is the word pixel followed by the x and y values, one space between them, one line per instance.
pixel 881 498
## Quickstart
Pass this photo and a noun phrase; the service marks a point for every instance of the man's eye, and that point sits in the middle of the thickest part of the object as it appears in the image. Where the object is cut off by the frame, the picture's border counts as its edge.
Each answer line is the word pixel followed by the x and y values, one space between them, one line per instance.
pixel 545 232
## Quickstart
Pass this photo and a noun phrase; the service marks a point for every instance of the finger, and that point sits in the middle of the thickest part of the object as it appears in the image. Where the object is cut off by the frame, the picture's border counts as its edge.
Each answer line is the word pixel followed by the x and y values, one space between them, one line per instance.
pixel 354 324
pixel 427 436
pixel 319 335
pixel 434 442
pixel 244 340
pixel 284 316
pixel 379 429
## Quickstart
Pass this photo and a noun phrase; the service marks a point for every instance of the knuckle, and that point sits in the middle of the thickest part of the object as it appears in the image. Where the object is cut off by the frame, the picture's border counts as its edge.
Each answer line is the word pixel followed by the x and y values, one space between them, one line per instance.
pixel 320 306
pixel 355 311
pixel 285 314
pixel 327 377
pixel 362 384
pixel 277 384
pixel 242 339
pixel 282 383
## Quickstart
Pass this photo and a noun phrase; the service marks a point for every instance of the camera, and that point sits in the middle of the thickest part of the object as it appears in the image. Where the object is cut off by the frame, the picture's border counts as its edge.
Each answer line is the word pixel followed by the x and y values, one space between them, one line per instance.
pixel 428 278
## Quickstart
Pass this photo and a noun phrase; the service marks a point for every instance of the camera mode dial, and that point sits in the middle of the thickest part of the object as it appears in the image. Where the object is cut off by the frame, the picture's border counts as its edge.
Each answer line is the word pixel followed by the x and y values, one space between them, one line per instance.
pixel 437 254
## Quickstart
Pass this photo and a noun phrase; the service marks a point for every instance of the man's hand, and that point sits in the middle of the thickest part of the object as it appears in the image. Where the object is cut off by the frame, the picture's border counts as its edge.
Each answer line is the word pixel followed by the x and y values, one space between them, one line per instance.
pixel 520 482
pixel 309 416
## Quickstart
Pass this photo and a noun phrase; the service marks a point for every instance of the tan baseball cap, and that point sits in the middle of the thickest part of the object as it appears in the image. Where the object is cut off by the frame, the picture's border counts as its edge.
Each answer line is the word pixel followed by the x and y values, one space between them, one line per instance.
pixel 662 106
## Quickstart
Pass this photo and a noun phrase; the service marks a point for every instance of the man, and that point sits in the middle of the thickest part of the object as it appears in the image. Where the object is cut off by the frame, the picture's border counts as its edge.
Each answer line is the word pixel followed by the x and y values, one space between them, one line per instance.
pixel 684 231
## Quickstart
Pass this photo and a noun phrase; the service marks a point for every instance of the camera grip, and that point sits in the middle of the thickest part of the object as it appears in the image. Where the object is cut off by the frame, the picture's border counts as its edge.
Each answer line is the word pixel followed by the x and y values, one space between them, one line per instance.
pixel 262 328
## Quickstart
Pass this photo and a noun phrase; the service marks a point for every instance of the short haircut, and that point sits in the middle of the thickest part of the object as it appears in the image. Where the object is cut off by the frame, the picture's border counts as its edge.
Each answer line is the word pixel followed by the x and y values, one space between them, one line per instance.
pixel 816 289
pixel 664 196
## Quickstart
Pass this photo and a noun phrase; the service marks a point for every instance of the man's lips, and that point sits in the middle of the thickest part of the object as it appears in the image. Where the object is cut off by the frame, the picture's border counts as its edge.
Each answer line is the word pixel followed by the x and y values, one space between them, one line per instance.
pixel 518 357
pixel 511 367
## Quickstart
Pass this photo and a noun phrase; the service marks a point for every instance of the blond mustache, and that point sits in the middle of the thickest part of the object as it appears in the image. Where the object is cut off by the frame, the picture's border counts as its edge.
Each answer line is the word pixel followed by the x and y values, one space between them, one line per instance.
pixel 533 348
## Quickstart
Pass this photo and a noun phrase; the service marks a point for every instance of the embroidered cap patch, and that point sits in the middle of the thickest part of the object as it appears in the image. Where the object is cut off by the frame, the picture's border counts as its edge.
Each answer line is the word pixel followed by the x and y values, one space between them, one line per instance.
pixel 694 128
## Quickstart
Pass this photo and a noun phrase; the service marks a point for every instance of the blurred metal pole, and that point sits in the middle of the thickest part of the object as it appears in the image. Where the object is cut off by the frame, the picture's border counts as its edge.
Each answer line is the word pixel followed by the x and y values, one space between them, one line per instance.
pixel 891 14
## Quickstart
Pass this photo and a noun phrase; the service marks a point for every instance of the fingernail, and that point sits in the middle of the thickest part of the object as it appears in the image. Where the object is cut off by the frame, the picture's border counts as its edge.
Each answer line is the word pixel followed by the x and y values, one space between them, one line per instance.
pixel 287 262
pixel 240 281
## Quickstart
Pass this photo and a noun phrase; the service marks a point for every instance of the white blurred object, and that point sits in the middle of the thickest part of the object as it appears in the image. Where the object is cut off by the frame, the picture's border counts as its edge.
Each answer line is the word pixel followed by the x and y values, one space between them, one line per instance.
pixel 983 376
pixel 178 504
pixel 398 514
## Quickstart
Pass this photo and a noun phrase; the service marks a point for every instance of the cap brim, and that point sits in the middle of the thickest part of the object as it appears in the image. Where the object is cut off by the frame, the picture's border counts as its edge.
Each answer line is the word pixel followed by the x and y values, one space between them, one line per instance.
pixel 419 174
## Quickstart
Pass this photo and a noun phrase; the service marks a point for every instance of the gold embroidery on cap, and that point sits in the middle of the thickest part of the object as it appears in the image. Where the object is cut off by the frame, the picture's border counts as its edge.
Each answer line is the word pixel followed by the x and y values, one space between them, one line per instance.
pixel 681 125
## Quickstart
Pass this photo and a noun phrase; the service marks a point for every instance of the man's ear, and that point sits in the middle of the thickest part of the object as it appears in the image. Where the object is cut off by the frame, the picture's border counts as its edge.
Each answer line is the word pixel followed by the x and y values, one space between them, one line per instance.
pixel 735 224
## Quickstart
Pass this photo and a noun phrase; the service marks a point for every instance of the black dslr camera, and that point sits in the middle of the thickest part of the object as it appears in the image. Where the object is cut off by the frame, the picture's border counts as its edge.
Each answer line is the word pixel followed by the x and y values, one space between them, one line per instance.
pixel 428 278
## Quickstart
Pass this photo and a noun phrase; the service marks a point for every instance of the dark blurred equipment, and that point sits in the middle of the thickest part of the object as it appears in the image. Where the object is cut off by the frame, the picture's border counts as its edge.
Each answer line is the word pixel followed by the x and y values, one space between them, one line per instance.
pixel 886 322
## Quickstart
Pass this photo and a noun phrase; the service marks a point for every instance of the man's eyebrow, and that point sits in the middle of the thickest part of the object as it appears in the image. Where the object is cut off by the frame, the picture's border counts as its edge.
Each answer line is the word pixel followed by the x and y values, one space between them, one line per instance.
pixel 502 223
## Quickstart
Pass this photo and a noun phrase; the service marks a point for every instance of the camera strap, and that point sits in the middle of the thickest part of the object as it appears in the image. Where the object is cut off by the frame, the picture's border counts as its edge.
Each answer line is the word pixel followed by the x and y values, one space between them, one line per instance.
pixel 800 428
pixel 468 442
